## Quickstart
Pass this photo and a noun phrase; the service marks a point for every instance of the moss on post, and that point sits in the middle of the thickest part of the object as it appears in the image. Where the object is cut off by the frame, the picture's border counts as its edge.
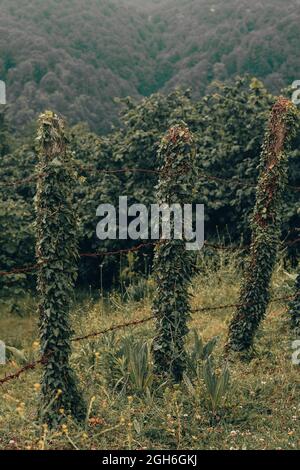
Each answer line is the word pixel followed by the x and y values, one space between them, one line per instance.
pixel 172 262
pixel 57 255
pixel 255 289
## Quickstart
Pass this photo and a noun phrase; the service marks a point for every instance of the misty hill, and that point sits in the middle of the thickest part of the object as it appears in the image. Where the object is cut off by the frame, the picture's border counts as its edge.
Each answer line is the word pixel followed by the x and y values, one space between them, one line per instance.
pixel 75 56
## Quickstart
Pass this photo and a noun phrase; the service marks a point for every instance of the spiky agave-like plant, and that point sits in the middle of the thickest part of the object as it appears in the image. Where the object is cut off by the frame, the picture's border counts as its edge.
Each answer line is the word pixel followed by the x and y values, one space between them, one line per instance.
pixel 57 254
pixel 255 291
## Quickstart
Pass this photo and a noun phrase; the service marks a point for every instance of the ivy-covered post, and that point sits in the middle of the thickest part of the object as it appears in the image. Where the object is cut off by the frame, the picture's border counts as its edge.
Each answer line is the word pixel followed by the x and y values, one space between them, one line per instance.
pixel 172 262
pixel 294 309
pixel 57 254
pixel 255 290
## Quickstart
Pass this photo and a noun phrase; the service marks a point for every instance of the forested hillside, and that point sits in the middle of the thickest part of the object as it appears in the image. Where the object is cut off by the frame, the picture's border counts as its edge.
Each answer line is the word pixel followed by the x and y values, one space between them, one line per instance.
pixel 76 56
pixel 129 318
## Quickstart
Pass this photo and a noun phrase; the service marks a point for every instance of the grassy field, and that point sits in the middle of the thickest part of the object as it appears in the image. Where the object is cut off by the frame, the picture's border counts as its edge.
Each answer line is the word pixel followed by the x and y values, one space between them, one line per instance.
pixel 129 409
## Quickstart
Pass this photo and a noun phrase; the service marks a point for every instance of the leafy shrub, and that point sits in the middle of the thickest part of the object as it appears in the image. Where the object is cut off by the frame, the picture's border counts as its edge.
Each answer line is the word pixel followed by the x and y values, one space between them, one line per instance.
pixel 216 385
pixel 228 125
pixel 199 352
pixel 128 364
pixel 140 290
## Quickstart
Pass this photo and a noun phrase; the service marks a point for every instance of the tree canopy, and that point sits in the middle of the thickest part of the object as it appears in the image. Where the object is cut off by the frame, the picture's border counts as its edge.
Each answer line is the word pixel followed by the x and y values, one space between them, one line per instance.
pixel 228 125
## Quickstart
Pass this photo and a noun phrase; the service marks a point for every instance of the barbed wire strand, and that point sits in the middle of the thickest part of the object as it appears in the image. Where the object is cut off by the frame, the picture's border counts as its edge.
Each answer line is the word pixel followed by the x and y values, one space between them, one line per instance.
pixel 33 267
pixel 43 360
pixel 25 269
pixel 238 305
pixel 30 366
pixel 119 170
pixel 19 182
pixel 216 179
pixel 118 252
pixel 113 328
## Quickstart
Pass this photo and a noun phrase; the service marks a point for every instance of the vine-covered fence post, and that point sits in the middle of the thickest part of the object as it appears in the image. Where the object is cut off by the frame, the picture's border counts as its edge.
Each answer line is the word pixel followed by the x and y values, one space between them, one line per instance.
pixel 254 296
pixel 172 262
pixel 57 255
pixel 294 308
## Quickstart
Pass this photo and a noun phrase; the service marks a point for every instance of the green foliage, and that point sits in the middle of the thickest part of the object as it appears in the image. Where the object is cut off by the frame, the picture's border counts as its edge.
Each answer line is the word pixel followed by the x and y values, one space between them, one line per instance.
pixel 217 386
pixel 128 365
pixel 227 125
pixel 57 255
pixel 16 245
pixel 172 262
pixel 294 309
pixel 201 369
pixel 262 399
pixel 16 214
pixel 140 365
pixel 139 290
pixel 266 226
pixel 229 132
pixel 199 352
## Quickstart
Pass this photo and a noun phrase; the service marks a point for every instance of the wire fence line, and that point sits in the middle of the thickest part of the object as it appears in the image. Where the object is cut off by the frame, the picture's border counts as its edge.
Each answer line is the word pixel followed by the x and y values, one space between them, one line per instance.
pixel 117 171
pixel 25 269
pixel 43 360
pixel 30 366
pixel 33 267
pixel 20 182
pixel 248 304
pixel 95 171
pixel 113 328
pixel 33 178
pixel 98 254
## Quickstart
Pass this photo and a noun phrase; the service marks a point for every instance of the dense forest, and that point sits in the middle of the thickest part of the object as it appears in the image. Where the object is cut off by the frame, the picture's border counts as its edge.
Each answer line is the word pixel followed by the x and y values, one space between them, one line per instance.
pixel 228 125
pixel 76 56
